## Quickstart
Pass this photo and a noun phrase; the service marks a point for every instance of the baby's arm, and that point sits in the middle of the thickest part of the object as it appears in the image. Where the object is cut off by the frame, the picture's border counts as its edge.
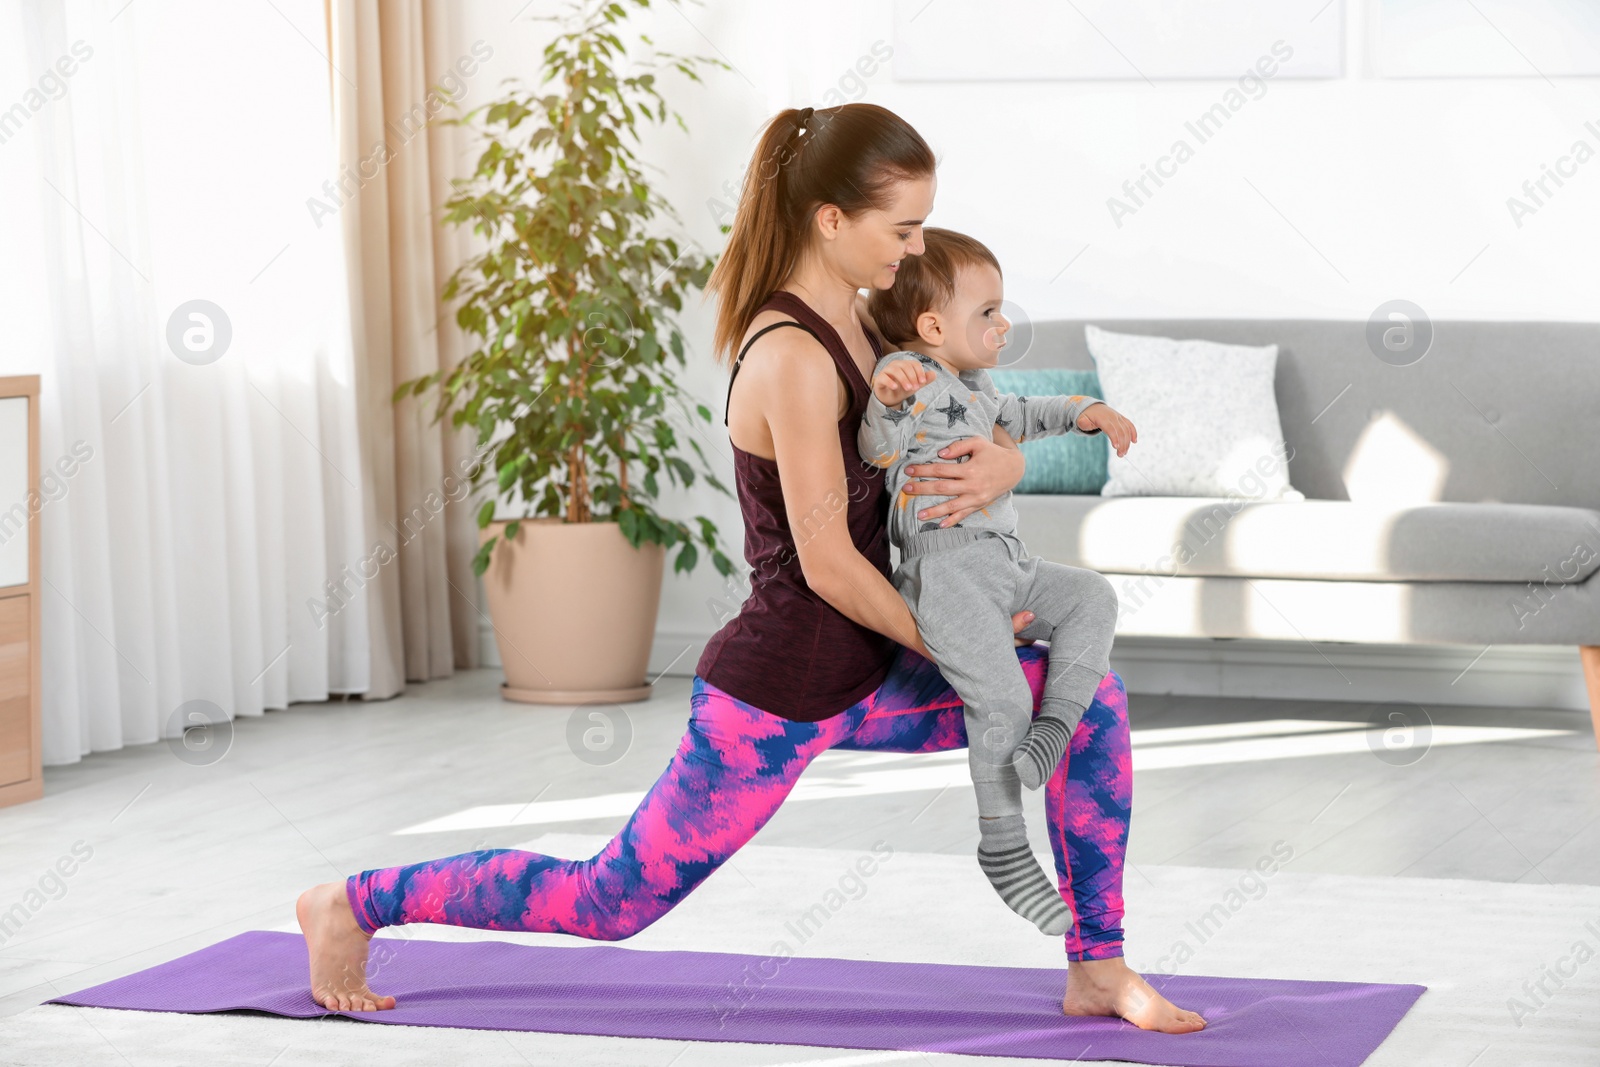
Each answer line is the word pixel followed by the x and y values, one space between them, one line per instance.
pixel 1028 418
pixel 886 426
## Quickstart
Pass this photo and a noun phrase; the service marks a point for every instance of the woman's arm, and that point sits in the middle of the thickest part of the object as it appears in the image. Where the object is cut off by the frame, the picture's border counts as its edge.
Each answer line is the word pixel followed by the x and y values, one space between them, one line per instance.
pixel 805 439
pixel 994 469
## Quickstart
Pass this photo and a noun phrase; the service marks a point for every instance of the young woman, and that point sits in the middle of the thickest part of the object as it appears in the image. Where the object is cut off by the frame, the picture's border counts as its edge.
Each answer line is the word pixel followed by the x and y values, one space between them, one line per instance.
pixel 824 652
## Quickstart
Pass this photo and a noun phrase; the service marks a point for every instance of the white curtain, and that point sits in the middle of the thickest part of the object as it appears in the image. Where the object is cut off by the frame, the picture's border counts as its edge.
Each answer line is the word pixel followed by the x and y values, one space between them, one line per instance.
pixel 397 65
pixel 153 154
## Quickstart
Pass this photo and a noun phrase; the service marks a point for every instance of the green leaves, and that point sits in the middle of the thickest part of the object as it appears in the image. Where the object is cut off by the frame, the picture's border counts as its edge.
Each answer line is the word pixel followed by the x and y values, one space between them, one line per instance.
pixel 480 560
pixel 571 300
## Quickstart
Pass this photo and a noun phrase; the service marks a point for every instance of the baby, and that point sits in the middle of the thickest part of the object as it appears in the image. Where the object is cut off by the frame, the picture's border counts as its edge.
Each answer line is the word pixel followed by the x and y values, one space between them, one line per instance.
pixel 963 582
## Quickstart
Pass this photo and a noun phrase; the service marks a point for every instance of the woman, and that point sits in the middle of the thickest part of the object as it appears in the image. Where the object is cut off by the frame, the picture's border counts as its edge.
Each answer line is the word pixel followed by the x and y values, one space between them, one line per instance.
pixel 824 652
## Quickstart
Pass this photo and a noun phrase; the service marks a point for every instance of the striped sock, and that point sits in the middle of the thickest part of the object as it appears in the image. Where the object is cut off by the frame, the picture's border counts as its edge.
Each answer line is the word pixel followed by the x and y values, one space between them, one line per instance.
pixel 1041 748
pixel 1009 864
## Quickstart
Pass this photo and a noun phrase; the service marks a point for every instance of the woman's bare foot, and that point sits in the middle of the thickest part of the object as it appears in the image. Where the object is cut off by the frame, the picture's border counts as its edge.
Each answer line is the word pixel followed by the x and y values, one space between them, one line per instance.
pixel 1111 987
pixel 338 951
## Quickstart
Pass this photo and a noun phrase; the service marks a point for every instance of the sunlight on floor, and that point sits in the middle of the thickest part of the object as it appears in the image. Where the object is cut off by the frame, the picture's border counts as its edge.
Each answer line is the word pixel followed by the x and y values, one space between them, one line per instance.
pixel 1335 739
pixel 843 773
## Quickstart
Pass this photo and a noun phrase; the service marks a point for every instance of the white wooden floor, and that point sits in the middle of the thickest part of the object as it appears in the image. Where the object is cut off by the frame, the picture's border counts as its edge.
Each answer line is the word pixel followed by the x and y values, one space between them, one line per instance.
pixel 180 856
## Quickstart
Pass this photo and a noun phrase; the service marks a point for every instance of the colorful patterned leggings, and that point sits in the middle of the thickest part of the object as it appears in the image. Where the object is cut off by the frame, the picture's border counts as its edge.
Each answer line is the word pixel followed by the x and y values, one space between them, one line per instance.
pixel 734 767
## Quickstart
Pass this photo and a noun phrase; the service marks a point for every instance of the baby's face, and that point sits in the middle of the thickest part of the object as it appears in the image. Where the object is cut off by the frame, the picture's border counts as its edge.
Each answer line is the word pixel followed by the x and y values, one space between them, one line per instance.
pixel 975 328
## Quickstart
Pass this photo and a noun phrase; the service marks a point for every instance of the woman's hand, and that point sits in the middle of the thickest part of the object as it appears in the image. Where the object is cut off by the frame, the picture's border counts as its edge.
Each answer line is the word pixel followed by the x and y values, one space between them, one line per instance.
pixel 1019 622
pixel 989 472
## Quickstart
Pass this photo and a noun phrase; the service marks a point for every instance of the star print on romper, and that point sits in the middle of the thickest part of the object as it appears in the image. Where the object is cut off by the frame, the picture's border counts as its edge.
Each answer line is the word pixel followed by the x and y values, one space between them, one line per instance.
pixel 894 415
pixel 954 411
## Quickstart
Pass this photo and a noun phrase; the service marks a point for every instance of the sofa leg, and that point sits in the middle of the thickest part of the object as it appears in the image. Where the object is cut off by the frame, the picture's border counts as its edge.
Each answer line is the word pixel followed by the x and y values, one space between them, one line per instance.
pixel 1590 655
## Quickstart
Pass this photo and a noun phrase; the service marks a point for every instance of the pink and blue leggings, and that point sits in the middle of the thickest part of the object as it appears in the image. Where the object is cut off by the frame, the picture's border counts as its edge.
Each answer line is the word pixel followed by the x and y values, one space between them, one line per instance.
pixel 734 767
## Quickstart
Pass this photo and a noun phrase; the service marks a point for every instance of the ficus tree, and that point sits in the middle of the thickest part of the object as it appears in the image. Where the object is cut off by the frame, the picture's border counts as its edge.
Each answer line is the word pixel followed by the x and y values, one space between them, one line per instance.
pixel 571 304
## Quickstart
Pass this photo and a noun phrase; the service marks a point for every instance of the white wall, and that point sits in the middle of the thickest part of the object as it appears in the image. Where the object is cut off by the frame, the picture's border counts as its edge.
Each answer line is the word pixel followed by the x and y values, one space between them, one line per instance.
pixel 1319 198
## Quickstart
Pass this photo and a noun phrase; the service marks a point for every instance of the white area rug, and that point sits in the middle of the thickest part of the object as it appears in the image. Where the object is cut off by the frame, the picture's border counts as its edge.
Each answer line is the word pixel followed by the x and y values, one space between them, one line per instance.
pixel 1475 945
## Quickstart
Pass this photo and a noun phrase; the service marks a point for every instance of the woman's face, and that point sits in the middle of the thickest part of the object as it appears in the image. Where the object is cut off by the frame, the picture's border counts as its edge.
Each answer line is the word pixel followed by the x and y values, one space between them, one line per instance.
pixel 868 247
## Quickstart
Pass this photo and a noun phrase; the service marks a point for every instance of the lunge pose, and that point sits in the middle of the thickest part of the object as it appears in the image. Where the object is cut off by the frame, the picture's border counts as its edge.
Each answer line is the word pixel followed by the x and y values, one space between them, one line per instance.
pixel 962 582
pixel 824 652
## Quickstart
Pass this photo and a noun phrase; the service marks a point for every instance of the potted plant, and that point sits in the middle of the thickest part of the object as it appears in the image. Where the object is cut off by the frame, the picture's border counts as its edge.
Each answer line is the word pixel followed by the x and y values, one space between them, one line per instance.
pixel 571 385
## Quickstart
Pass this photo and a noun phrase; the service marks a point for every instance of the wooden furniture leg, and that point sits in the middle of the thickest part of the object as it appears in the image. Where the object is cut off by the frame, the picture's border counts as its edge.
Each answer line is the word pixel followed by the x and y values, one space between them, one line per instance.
pixel 1590 655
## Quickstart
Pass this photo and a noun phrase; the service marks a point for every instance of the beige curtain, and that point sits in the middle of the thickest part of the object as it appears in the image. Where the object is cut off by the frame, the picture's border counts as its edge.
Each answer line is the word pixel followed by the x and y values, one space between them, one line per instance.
pixel 388 59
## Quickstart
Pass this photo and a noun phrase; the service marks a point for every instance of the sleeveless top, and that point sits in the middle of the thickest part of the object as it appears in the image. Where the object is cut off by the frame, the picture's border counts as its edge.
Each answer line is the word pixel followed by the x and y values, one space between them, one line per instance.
pixel 788 651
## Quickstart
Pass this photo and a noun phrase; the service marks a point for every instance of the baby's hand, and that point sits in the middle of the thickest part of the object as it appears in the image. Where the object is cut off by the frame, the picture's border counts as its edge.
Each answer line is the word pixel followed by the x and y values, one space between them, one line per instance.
pixel 1115 425
pixel 899 379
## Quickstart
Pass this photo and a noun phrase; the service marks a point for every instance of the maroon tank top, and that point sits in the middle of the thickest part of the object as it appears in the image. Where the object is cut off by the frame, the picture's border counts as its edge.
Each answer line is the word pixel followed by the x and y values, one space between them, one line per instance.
pixel 788 651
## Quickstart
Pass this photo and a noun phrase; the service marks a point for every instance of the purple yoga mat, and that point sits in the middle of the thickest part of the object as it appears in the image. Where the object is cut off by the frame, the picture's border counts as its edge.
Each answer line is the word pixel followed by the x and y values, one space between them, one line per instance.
pixel 785 1000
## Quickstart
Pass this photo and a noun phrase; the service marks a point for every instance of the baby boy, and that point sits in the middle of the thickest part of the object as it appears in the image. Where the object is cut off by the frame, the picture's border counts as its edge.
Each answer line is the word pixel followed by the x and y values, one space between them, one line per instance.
pixel 965 581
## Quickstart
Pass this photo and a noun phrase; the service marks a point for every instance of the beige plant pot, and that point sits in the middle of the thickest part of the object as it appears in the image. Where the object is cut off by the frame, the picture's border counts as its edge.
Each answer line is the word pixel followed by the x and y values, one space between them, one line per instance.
pixel 574 611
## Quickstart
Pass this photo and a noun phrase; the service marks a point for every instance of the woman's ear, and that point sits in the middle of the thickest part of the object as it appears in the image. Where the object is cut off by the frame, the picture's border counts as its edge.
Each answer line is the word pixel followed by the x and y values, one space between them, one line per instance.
pixel 930 328
pixel 829 220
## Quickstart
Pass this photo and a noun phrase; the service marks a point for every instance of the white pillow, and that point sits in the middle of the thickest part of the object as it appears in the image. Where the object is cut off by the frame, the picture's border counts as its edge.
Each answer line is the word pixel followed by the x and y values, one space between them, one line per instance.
pixel 1205 413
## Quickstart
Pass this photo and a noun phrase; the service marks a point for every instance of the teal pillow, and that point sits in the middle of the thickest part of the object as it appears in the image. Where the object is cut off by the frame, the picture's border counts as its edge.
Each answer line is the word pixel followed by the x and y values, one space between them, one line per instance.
pixel 1068 463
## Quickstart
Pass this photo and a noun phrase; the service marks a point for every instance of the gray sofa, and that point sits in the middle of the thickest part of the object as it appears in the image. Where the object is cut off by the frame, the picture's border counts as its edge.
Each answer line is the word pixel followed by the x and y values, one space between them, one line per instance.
pixel 1450 501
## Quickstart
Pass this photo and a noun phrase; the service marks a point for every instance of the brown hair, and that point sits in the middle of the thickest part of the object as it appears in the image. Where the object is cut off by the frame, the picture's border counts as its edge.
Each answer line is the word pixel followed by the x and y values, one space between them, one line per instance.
pixel 848 156
pixel 926 282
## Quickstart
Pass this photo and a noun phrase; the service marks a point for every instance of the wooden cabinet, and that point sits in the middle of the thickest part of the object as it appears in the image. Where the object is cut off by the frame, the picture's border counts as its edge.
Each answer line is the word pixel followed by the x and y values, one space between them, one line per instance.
pixel 17 744
pixel 21 776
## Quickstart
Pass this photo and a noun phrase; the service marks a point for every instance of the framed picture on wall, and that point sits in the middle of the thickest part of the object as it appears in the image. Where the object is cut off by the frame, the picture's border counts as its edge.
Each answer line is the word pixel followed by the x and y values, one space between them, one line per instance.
pixel 1486 38
pixel 1149 40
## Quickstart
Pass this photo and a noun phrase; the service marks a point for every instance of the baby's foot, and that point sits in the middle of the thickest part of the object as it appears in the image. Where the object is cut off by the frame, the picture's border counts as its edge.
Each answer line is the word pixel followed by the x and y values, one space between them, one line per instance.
pixel 1011 868
pixel 1040 750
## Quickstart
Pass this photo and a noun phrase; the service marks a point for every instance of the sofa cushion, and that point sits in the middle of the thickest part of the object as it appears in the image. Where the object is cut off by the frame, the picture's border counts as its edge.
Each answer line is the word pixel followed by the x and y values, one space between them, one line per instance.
pixel 1066 463
pixel 1329 539
pixel 1206 415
